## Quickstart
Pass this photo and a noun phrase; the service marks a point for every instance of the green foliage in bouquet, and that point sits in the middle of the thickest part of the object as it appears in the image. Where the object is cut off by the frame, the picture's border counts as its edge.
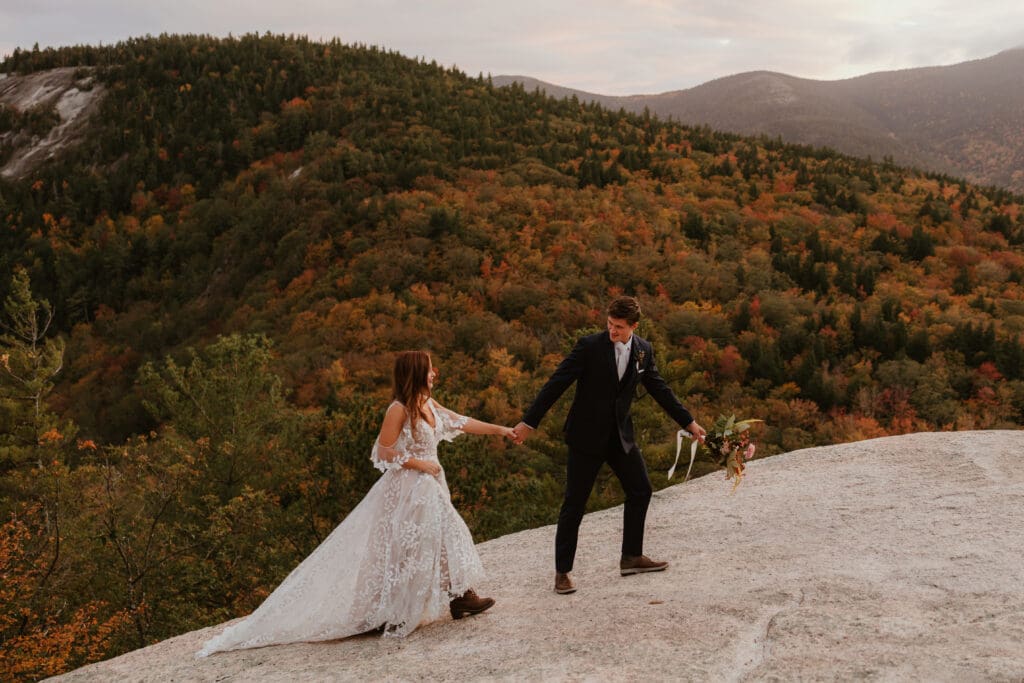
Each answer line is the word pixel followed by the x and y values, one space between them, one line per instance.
pixel 729 445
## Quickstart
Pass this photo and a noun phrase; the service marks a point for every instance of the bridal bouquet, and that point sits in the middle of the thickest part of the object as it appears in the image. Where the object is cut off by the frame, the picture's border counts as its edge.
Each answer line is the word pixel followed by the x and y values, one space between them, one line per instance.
pixel 728 443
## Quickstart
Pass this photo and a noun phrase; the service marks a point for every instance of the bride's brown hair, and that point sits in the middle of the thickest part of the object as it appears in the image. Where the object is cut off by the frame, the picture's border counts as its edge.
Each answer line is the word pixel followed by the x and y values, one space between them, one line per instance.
pixel 410 387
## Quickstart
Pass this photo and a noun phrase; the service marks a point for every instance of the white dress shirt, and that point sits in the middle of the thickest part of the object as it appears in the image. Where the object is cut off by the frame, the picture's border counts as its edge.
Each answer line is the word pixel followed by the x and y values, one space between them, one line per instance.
pixel 622 355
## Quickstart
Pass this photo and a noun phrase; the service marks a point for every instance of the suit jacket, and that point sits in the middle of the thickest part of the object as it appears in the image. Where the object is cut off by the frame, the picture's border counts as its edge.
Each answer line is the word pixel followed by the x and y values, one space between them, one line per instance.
pixel 602 402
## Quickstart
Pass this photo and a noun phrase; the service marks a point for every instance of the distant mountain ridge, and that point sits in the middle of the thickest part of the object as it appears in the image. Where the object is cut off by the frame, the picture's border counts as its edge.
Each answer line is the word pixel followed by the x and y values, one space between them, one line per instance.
pixel 965 119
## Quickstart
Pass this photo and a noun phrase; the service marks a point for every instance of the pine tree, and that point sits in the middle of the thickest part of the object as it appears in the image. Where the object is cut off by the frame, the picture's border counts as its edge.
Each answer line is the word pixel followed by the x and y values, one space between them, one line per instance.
pixel 28 364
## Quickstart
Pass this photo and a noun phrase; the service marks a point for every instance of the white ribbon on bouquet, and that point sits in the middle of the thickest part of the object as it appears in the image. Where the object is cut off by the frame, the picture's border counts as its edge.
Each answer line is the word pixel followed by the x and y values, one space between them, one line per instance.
pixel 679 448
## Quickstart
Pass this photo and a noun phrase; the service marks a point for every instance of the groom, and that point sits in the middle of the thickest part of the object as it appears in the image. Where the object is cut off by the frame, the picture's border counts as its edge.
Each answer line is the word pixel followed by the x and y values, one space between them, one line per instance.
pixel 606 368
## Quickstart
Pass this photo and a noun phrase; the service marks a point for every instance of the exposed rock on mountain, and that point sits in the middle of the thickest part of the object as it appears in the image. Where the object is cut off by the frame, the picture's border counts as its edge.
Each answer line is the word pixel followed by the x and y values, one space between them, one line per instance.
pixel 55 104
pixel 895 559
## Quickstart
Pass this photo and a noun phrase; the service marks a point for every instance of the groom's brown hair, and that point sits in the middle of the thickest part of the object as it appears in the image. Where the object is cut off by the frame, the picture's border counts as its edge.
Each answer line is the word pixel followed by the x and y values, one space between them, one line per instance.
pixel 625 308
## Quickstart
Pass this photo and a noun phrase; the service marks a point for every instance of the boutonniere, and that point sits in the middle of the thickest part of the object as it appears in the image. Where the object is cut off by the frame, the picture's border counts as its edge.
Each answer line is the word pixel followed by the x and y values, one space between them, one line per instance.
pixel 639 360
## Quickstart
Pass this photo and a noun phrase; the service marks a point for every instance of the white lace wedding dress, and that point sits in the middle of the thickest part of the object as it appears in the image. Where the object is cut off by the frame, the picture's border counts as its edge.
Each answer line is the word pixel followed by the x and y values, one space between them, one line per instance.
pixel 395 561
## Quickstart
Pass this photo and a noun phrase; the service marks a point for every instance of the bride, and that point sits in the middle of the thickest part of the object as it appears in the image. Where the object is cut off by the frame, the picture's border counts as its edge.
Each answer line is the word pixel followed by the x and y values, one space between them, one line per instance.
pixel 401 557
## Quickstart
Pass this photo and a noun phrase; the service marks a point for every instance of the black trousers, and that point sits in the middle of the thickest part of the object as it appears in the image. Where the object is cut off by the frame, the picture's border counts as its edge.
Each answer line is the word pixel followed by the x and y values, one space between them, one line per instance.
pixel 581 472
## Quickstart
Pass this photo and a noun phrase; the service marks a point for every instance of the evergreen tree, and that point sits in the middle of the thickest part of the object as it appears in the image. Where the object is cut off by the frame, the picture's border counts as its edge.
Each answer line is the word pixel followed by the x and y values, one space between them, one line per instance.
pixel 921 244
pixel 29 362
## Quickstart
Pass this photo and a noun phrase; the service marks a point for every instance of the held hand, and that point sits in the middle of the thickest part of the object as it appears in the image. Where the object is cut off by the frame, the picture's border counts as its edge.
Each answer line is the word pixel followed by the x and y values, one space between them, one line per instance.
pixel 698 432
pixel 509 433
pixel 521 431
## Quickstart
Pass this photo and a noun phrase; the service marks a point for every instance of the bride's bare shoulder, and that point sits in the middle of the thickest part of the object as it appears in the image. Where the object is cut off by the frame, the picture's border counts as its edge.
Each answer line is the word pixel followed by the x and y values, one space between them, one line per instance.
pixel 391 426
pixel 395 414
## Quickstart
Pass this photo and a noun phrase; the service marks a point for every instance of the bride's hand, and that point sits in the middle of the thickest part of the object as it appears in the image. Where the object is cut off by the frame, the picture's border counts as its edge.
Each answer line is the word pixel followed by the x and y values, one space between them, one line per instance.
pixel 508 432
pixel 427 467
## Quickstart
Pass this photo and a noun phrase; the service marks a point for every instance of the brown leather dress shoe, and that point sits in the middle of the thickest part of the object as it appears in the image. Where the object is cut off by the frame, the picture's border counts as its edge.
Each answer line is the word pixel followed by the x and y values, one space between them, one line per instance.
pixel 564 584
pixel 639 564
pixel 469 604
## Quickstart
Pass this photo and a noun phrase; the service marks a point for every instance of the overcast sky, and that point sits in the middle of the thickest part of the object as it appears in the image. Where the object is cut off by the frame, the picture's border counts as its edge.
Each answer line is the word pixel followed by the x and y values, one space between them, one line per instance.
pixel 615 47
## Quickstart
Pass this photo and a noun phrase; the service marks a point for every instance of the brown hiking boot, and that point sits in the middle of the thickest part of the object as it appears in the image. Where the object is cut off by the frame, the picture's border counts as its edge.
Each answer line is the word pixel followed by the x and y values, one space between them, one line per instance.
pixel 469 604
pixel 564 584
pixel 639 564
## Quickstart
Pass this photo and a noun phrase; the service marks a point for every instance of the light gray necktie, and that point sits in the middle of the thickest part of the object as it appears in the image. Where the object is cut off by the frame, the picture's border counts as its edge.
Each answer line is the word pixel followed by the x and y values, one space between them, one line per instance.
pixel 621 358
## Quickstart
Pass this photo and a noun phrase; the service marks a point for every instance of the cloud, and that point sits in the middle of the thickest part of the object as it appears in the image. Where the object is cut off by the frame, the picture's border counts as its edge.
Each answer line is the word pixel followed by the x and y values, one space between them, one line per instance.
pixel 606 46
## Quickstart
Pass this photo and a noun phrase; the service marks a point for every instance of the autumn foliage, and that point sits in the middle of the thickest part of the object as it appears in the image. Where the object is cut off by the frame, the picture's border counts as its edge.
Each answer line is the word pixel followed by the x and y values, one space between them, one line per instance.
pixel 42 633
pixel 254 225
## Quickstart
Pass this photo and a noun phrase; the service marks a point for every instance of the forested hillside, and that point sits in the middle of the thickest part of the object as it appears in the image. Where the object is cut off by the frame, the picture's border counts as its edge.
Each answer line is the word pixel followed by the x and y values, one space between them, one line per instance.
pixel 960 119
pixel 253 225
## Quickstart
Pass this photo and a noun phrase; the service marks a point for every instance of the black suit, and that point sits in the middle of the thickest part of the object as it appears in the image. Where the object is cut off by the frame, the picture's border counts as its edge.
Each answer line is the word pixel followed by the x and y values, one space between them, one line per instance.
pixel 599 429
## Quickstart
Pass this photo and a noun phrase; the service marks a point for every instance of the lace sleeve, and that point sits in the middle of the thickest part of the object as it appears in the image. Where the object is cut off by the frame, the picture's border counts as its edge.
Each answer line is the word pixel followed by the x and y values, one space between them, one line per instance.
pixel 450 423
pixel 386 458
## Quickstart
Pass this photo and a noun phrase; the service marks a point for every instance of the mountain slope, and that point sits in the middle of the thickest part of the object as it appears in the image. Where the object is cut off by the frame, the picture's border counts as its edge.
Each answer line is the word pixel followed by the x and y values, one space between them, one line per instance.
pixel 253 226
pixel 886 559
pixel 964 119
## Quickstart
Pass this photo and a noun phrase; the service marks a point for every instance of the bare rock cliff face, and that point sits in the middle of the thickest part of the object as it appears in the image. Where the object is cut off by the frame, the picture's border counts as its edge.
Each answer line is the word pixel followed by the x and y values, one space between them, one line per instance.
pixel 892 559
pixel 70 93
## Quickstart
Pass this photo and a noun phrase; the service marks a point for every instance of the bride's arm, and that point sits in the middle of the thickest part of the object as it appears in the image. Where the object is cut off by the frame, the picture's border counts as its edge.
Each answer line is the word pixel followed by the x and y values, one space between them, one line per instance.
pixel 470 425
pixel 474 426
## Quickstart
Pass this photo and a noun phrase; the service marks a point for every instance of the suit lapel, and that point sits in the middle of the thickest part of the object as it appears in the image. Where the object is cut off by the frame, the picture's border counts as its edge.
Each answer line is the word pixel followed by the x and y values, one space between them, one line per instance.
pixel 610 356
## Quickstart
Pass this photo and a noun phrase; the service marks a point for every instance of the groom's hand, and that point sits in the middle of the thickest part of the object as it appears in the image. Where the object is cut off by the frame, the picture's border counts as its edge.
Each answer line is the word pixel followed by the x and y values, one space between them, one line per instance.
pixel 698 432
pixel 522 431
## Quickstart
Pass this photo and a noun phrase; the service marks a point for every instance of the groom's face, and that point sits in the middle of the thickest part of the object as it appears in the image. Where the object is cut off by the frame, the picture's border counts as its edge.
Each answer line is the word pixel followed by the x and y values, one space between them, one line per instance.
pixel 619 329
